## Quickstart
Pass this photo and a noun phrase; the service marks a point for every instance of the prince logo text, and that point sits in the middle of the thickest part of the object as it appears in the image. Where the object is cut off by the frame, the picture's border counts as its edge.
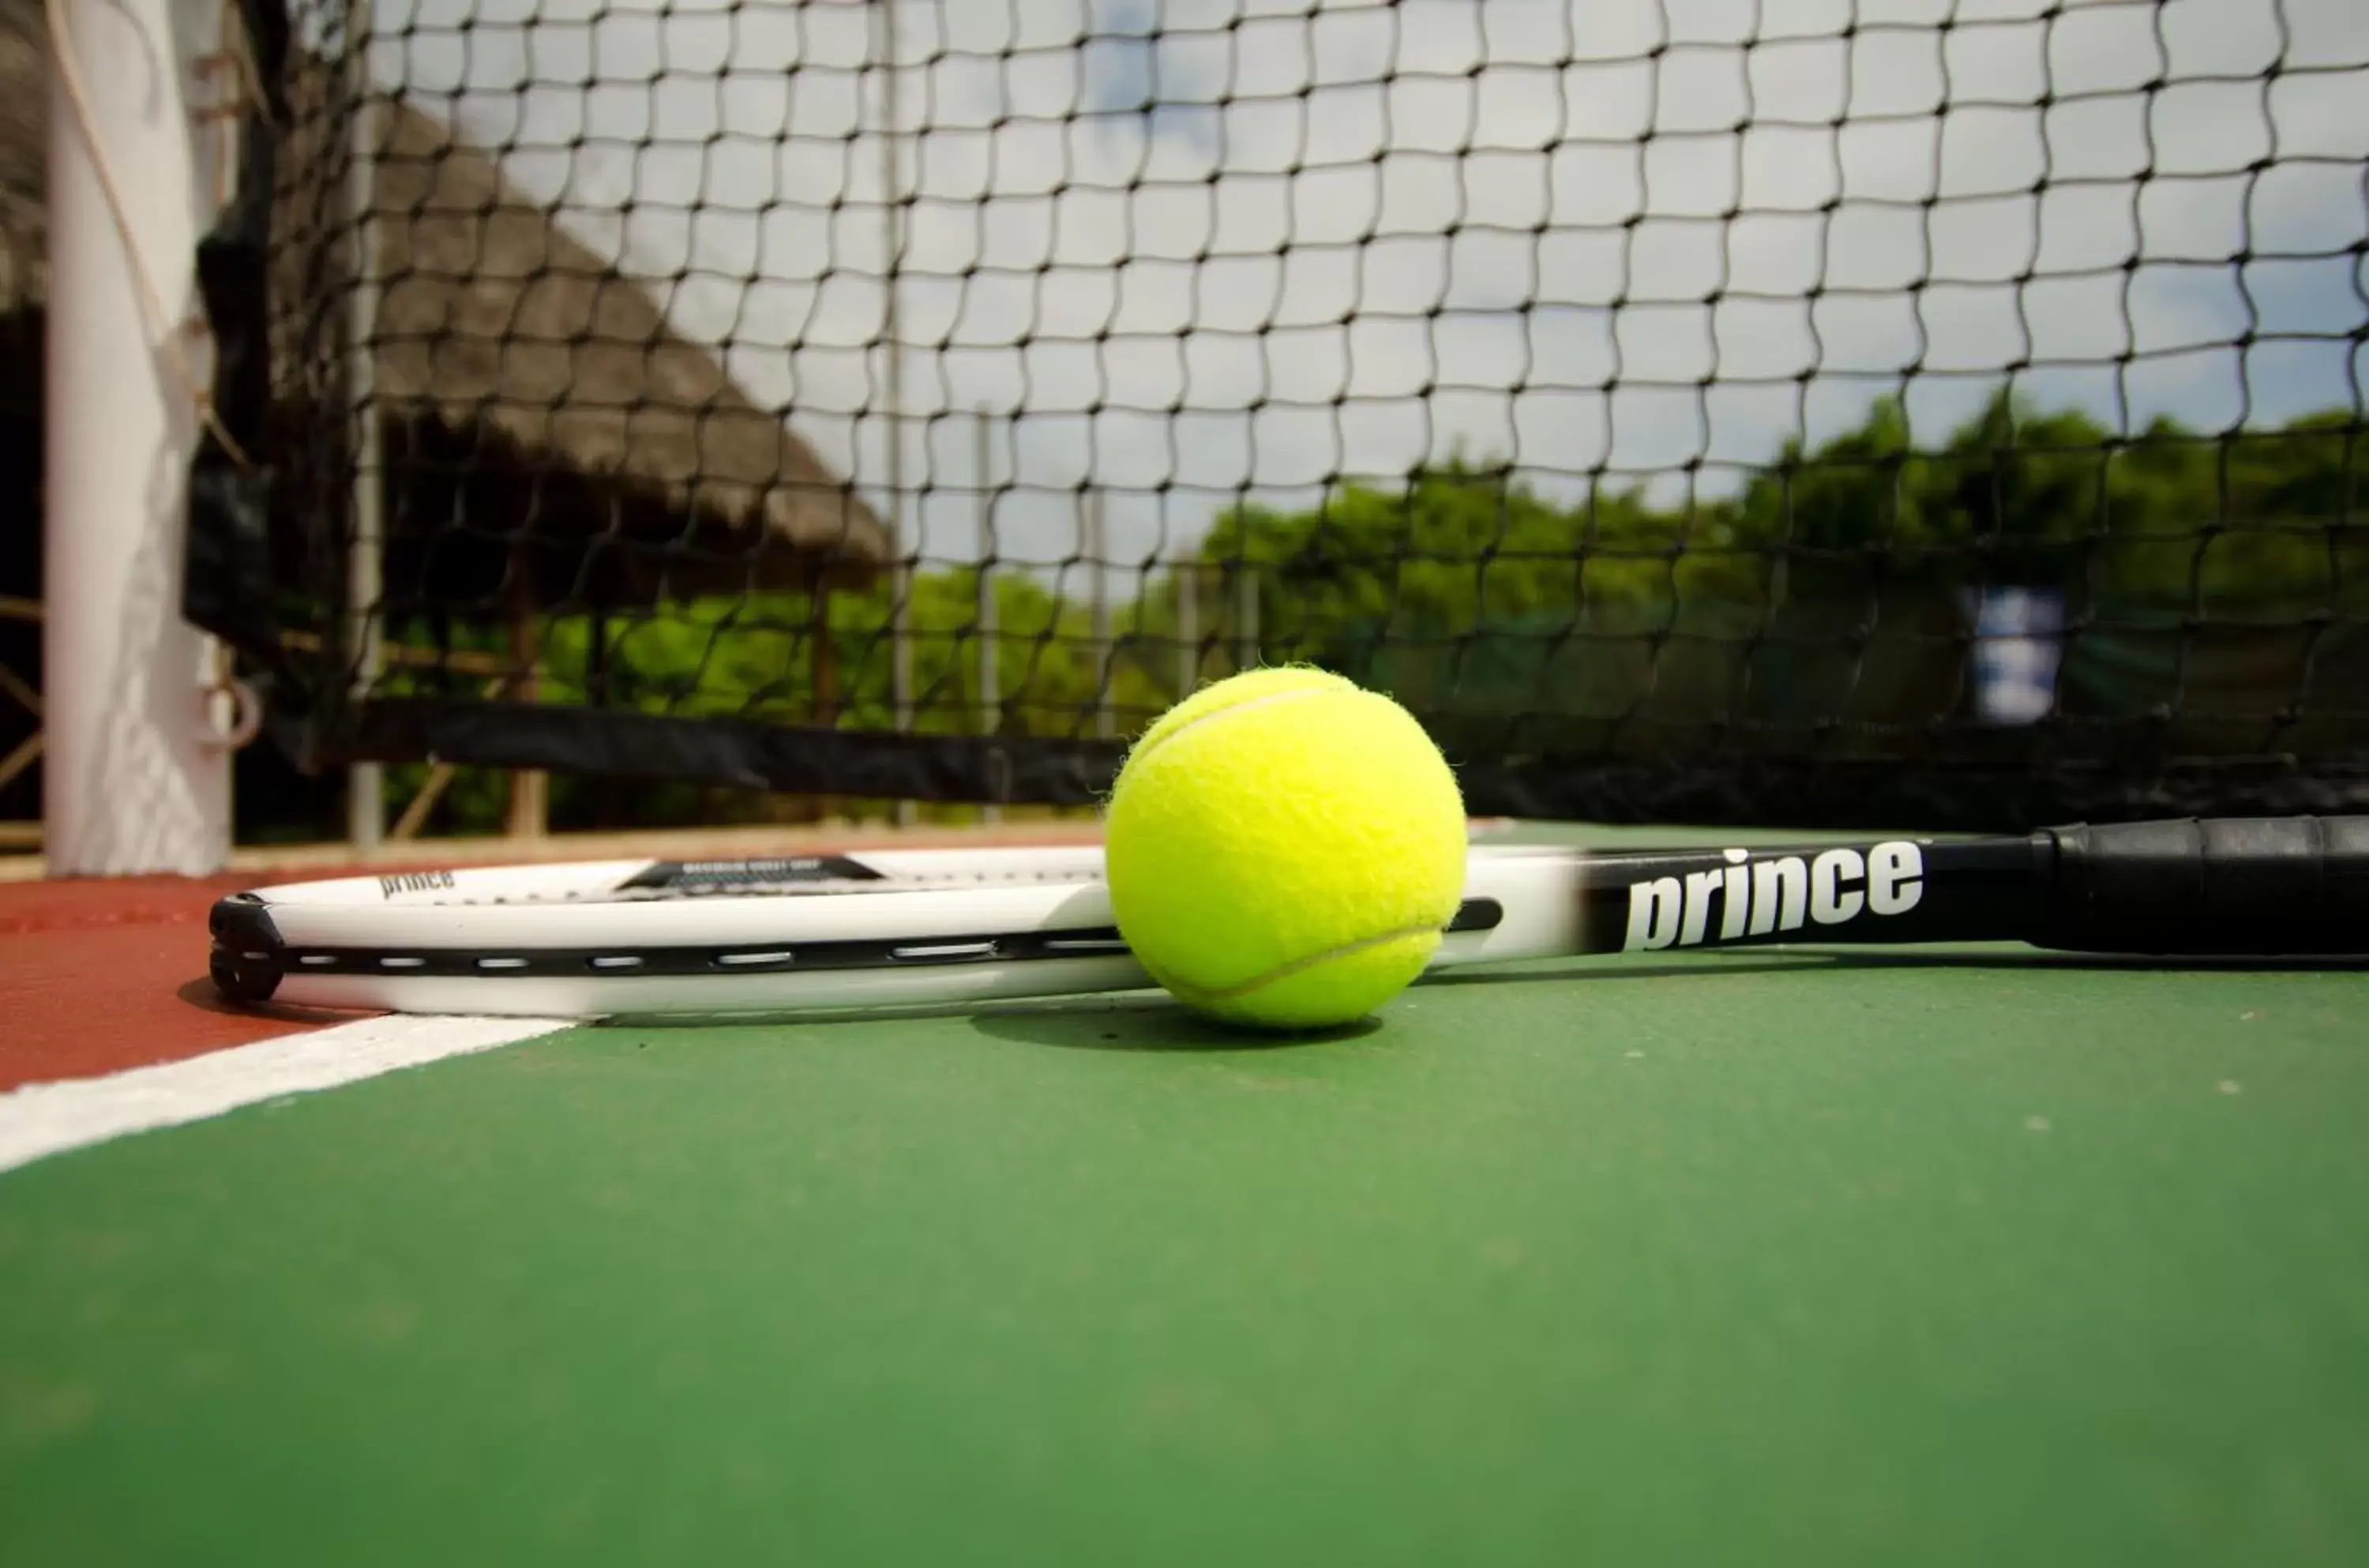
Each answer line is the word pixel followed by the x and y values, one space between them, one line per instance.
pixel 1756 898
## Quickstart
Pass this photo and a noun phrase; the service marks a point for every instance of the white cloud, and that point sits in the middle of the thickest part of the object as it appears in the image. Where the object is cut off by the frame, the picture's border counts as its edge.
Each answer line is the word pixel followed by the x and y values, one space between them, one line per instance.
pixel 1218 244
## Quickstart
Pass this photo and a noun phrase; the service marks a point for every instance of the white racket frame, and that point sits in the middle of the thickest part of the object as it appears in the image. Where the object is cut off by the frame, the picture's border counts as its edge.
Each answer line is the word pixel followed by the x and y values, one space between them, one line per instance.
pixel 920 898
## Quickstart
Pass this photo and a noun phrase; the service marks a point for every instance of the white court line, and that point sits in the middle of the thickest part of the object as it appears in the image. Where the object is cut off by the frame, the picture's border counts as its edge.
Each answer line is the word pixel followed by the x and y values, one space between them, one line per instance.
pixel 40 1119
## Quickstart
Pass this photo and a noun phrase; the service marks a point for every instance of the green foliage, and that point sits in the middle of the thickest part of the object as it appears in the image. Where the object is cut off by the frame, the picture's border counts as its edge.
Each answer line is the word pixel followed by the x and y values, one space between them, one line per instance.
pixel 1463 547
pixel 1830 586
pixel 2169 518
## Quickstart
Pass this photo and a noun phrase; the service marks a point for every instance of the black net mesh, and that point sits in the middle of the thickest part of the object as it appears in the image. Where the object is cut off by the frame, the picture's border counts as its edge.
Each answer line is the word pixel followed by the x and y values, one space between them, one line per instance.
pixel 1939 414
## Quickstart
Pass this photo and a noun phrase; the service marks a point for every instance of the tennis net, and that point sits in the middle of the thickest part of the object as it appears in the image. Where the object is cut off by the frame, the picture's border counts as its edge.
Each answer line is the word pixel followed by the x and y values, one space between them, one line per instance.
pixel 1944 416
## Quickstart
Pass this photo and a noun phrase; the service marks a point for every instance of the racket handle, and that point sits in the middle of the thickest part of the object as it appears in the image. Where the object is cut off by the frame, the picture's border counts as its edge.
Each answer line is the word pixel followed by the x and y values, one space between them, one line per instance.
pixel 2258 886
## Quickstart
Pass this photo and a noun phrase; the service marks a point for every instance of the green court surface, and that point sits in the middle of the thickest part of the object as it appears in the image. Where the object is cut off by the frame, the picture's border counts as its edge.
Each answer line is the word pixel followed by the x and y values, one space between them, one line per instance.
pixel 1971 1257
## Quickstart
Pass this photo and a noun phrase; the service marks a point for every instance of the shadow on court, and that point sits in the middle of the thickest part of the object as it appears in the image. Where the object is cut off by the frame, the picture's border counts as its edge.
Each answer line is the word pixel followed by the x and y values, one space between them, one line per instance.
pixel 1150 1023
pixel 1147 1021
pixel 201 993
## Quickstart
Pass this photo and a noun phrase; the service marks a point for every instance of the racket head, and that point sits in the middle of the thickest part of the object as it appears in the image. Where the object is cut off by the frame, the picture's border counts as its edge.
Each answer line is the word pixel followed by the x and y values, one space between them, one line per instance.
pixel 601 938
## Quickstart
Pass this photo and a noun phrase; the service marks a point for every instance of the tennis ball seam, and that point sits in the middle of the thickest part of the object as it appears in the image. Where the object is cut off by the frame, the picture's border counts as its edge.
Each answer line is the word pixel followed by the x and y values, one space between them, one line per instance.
pixel 1246 705
pixel 1205 996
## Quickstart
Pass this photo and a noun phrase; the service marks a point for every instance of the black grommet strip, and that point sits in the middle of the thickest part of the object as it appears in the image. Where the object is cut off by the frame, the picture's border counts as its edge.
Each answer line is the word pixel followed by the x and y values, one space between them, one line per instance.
pixel 249 958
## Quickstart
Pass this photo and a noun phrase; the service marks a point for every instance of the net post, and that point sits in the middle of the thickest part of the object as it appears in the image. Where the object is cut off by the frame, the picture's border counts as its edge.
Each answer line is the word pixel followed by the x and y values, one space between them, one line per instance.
pixel 892 183
pixel 1246 616
pixel 528 811
pixel 365 782
pixel 990 698
pixel 1188 617
pixel 1090 540
pixel 136 775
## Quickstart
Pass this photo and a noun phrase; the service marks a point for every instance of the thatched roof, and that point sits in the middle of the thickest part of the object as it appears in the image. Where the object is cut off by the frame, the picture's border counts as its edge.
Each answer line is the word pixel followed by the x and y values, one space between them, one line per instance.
pixel 24 154
pixel 513 367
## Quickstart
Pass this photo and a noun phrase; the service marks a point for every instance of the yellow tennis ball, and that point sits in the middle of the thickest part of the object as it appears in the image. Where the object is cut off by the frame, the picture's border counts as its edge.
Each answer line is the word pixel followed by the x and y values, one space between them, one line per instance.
pixel 1284 849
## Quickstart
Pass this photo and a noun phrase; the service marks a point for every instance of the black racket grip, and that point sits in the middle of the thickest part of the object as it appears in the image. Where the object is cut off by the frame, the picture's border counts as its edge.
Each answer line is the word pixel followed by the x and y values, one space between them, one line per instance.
pixel 2238 886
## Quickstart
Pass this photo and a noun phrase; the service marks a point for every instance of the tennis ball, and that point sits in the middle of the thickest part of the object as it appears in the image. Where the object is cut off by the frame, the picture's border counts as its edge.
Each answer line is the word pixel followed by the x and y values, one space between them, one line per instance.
pixel 1283 849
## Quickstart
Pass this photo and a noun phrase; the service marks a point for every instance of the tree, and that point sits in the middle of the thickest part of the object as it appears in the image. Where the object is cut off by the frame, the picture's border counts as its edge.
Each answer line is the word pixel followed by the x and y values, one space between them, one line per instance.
pixel 1830 589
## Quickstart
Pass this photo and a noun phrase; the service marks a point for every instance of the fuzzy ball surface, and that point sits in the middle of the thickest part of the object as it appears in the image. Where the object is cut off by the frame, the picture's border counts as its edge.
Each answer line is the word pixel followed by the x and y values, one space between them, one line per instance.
pixel 1284 849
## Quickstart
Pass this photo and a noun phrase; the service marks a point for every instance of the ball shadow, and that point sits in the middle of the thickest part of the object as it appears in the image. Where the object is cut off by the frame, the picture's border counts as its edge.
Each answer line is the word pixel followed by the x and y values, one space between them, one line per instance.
pixel 1149 1023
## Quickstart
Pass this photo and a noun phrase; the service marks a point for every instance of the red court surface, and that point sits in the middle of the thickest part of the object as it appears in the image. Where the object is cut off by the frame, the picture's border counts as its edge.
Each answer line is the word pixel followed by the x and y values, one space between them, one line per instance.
pixel 98 976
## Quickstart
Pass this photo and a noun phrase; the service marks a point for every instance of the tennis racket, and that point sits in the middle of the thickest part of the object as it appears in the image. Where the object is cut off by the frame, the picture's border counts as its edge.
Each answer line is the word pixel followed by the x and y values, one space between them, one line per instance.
pixel 934 927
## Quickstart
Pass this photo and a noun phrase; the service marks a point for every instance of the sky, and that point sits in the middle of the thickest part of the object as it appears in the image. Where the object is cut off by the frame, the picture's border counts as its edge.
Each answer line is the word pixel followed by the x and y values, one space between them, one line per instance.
pixel 1186 251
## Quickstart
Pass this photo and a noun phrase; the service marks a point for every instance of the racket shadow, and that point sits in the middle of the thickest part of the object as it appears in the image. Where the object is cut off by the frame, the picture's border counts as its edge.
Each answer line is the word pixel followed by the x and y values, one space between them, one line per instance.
pixel 202 994
pixel 1548 971
pixel 1133 1021
pixel 1125 1021
pixel 1806 960
pixel 2044 958
pixel 1149 1021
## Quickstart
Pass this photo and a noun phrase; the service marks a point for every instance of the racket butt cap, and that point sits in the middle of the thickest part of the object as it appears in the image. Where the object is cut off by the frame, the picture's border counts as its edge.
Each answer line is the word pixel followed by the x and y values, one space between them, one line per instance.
pixel 244 963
